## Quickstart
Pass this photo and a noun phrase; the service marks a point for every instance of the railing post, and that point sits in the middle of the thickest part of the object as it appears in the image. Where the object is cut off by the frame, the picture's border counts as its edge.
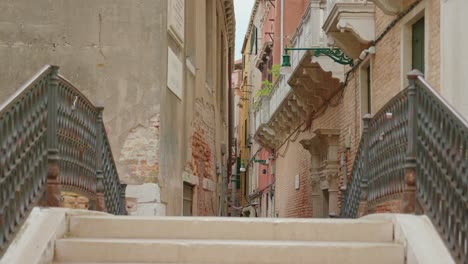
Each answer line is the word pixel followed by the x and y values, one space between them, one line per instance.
pixel 100 198
pixel 123 209
pixel 409 192
pixel 53 194
pixel 362 210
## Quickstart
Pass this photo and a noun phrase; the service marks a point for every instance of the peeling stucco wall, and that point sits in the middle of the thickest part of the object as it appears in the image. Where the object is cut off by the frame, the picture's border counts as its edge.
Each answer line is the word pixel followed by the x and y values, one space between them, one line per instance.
pixel 111 50
pixel 139 157
pixel 203 165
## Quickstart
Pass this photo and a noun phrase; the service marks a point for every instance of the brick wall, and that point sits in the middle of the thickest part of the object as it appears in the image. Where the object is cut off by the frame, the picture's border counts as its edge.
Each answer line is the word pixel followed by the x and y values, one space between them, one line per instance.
pixel 203 157
pixel 388 206
pixel 346 115
pixel 293 160
pixel 387 72
pixel 74 201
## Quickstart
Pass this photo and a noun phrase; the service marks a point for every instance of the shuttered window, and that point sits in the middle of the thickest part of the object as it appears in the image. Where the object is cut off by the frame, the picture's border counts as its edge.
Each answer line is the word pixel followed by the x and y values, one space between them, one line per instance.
pixel 418 45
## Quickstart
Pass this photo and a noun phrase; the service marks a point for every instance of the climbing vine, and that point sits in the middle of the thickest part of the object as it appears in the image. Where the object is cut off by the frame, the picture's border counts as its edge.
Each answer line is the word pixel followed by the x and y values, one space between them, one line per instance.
pixel 266 85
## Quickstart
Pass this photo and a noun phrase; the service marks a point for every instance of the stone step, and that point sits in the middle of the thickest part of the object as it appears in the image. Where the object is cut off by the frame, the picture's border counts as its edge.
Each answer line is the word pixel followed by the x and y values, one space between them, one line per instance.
pixel 225 251
pixel 231 228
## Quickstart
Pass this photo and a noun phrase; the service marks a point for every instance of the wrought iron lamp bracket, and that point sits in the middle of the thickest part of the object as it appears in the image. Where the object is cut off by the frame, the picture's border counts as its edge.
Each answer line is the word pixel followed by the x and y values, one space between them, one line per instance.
pixel 263 162
pixel 335 54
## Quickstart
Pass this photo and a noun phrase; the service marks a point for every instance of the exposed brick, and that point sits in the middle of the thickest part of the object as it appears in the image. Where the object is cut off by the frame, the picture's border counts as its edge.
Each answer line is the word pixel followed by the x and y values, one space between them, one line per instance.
pixel 203 164
pixel 74 201
pixel 139 155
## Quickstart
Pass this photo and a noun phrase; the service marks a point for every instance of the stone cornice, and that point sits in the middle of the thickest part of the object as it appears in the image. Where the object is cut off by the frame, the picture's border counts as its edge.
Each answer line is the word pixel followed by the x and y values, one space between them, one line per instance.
pixel 230 21
pixel 249 28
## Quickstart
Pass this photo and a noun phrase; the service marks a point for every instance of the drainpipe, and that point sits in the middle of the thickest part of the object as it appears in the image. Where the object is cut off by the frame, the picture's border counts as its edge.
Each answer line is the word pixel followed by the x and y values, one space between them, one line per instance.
pixel 282 26
pixel 230 135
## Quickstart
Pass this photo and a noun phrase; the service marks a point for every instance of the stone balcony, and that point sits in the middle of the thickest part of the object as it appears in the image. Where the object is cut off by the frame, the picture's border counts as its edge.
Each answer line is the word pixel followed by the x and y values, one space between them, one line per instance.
pixel 278 114
pixel 350 25
pixel 389 7
pixel 264 55
pixel 306 87
pixel 315 80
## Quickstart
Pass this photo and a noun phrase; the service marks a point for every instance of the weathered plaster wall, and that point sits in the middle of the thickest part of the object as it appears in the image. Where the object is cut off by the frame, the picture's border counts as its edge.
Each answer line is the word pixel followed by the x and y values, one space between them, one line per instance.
pixel 112 50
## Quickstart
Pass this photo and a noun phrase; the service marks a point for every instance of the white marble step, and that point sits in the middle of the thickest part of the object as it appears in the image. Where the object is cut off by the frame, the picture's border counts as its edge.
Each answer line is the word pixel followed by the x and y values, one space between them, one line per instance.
pixel 231 228
pixel 225 251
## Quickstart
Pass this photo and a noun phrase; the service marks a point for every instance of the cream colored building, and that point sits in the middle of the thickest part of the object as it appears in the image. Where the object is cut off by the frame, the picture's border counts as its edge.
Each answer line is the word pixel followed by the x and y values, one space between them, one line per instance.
pixel 161 70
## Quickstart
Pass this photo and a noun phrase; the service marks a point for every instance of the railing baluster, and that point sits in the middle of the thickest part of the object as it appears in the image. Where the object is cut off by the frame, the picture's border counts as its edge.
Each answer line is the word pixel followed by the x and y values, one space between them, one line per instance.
pixel 409 193
pixel 101 203
pixel 53 186
pixel 364 175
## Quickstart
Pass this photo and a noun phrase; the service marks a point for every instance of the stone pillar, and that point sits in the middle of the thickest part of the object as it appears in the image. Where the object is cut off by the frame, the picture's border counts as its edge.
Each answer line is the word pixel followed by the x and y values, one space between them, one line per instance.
pixel 317 199
pixel 323 148
pixel 330 144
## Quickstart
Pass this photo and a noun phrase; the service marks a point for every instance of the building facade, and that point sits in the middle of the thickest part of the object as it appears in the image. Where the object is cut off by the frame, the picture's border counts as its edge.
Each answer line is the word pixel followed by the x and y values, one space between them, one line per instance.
pixel 345 60
pixel 271 27
pixel 161 70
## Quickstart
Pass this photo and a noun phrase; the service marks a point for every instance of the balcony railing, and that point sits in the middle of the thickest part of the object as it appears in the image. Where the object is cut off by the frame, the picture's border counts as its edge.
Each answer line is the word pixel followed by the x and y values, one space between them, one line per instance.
pixel 415 150
pixel 279 92
pixel 52 138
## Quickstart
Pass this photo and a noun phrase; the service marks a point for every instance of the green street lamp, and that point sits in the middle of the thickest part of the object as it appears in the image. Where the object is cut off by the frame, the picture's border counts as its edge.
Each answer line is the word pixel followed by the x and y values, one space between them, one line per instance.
pixel 334 53
pixel 286 59
pixel 242 167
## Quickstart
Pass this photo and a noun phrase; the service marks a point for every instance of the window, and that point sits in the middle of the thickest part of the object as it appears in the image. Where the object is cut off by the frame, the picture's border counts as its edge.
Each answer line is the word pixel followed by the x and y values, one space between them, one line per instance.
pixel 414 42
pixel 209 42
pixel 366 88
pixel 417 45
pixel 188 197
pixel 191 31
pixel 253 41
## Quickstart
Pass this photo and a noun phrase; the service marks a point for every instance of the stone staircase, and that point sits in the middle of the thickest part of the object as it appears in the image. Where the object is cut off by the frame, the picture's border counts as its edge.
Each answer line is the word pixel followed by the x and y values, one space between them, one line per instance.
pixel 116 239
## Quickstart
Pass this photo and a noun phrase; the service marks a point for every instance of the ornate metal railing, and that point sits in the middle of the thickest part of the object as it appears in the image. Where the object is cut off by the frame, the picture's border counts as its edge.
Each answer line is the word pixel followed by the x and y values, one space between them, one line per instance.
pixel 77 135
pixel 52 138
pixel 441 153
pixel 350 204
pixel 416 153
pixel 386 147
pixel 24 152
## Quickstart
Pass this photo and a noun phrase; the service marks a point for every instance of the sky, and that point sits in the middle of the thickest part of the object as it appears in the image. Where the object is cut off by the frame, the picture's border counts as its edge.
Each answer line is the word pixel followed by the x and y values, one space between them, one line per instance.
pixel 242 9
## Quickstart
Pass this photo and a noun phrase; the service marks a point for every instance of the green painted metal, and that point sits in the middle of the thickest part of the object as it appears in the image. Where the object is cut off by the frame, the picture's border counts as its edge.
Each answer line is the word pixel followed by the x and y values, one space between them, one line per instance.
pixel 23 153
pixel 416 150
pixel 335 54
pixel 48 127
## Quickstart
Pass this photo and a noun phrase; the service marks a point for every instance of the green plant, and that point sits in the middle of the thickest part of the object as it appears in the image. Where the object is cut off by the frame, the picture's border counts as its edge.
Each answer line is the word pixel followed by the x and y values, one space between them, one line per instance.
pixel 267 85
pixel 275 71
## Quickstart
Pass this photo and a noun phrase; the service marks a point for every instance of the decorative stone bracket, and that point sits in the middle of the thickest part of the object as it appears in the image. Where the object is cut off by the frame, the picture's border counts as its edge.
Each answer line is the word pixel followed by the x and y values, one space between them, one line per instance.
pixel 314 85
pixel 389 7
pixel 351 27
pixel 264 55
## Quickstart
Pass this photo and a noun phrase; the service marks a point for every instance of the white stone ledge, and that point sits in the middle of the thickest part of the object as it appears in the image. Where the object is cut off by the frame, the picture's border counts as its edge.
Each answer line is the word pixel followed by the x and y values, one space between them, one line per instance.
pixel 423 244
